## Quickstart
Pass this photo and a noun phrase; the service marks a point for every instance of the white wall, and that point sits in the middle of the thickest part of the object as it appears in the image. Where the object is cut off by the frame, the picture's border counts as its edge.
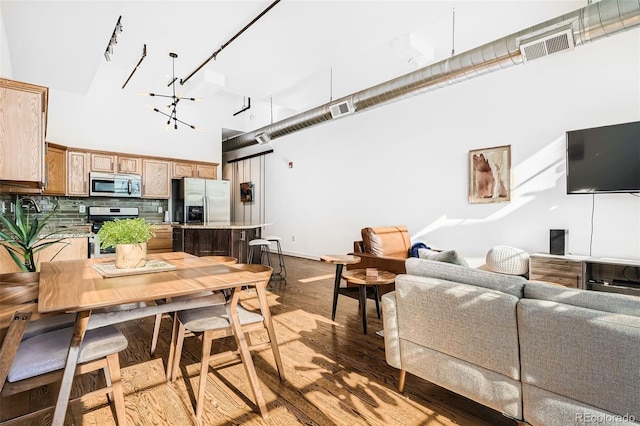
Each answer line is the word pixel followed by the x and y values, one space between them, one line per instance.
pixel 406 163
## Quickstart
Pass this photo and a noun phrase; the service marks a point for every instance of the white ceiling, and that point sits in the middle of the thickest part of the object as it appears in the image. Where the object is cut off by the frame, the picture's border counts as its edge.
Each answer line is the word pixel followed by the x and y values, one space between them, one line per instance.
pixel 297 56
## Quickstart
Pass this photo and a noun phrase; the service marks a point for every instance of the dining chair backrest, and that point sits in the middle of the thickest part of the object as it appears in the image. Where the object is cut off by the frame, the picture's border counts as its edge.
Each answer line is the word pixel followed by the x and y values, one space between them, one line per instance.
pixel 33 346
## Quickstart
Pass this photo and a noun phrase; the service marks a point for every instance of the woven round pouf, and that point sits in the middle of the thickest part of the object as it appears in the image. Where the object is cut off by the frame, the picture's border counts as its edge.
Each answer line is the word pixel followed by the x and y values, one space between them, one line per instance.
pixel 508 260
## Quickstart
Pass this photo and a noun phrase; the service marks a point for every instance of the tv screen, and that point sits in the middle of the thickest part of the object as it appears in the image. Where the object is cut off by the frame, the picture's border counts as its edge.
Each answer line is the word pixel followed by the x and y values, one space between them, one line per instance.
pixel 604 159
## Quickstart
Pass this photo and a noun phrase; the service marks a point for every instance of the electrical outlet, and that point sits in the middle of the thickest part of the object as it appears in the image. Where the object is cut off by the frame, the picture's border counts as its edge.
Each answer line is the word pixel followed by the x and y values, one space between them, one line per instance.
pixel 293 238
pixel 3 208
pixel 82 208
pixel 159 209
pixel 13 208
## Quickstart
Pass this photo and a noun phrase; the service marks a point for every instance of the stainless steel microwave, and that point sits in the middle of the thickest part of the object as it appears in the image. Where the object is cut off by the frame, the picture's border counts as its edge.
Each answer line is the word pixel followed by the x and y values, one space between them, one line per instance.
pixel 114 185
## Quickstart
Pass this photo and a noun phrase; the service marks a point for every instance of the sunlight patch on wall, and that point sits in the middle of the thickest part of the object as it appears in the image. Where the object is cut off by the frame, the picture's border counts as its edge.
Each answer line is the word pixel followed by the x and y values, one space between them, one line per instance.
pixel 540 172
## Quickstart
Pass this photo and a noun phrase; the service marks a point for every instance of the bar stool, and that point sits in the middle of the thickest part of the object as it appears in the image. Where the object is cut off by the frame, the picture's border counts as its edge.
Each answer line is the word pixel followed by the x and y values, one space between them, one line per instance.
pixel 263 245
pixel 282 272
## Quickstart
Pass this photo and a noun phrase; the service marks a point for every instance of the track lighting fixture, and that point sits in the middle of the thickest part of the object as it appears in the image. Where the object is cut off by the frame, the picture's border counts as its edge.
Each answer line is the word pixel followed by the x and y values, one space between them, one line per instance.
pixel 113 40
pixel 172 116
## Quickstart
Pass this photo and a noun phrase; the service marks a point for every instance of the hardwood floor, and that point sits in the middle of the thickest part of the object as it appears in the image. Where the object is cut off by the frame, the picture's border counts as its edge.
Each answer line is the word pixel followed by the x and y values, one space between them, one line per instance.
pixel 335 375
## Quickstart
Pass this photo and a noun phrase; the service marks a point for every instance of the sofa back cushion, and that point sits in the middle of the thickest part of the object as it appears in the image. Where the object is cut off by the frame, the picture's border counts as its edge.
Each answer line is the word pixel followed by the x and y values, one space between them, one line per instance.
pixel 587 355
pixel 509 284
pixel 607 302
pixel 467 322
pixel 391 241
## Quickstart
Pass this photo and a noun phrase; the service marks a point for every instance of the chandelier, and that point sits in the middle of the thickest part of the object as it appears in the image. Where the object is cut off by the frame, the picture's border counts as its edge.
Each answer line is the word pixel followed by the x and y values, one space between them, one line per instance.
pixel 173 106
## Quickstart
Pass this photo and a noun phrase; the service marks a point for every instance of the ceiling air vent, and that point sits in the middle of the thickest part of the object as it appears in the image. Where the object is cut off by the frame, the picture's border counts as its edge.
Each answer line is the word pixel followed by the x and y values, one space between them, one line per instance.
pixel 547 44
pixel 262 138
pixel 342 108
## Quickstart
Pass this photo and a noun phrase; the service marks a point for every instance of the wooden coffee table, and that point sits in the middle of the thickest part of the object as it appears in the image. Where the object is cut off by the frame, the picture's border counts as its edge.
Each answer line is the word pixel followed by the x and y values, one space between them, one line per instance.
pixel 339 260
pixel 359 277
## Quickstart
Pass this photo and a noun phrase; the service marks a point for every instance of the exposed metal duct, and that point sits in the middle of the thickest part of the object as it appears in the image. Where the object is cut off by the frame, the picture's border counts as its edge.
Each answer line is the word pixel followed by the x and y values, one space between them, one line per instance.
pixel 588 24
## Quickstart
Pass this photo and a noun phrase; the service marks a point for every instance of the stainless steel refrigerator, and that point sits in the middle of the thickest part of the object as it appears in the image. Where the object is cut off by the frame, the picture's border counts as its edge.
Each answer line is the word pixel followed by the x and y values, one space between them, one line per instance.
pixel 206 200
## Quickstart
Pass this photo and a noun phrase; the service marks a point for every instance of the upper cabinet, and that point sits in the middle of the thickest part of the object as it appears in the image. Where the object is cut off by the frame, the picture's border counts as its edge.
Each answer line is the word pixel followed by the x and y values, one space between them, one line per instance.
pixel 113 163
pixel 77 173
pixel 129 165
pixel 207 171
pixel 182 169
pixel 103 162
pixel 23 123
pixel 156 178
pixel 55 170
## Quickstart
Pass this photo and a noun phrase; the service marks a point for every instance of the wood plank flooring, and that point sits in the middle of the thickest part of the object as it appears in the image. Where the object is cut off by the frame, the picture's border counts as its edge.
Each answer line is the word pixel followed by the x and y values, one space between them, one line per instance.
pixel 335 375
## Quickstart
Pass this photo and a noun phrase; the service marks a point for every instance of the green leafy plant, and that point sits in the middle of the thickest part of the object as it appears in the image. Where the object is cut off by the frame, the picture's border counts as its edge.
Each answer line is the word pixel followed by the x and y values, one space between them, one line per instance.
pixel 23 236
pixel 125 231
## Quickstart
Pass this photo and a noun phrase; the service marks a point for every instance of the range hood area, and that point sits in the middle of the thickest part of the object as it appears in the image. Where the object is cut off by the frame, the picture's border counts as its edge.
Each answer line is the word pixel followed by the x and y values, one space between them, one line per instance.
pixel 591 23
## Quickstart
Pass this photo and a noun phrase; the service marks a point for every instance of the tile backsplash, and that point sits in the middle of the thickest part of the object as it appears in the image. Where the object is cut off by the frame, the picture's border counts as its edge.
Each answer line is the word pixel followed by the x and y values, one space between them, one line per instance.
pixel 69 210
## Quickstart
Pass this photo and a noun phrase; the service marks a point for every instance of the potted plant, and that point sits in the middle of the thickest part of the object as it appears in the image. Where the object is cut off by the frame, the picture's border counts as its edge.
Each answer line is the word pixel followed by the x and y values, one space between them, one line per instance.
pixel 23 236
pixel 129 237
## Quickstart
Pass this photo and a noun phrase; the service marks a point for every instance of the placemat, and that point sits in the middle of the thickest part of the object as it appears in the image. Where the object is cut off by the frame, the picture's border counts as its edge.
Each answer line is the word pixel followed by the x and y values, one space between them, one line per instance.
pixel 109 270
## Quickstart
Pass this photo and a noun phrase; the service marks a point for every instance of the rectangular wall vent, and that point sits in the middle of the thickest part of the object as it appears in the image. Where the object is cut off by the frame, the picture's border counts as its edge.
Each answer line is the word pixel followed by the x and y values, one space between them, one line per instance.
pixel 342 108
pixel 262 138
pixel 547 44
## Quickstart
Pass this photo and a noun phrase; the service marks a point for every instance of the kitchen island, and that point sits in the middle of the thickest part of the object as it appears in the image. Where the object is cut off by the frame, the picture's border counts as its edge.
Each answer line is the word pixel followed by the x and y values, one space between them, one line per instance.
pixel 216 238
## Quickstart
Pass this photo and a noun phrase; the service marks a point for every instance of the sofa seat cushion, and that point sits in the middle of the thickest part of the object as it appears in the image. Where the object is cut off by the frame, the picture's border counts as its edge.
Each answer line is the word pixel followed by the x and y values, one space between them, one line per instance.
pixel 584 354
pixel 543 408
pixel 471 323
pixel 484 386
pixel 390 241
pixel 509 284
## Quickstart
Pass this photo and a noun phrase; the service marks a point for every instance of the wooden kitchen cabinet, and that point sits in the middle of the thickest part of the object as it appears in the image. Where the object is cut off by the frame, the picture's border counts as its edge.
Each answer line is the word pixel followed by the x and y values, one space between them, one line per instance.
pixel 156 178
pixel 77 174
pixel 206 171
pixel 23 123
pixel 72 249
pixel 55 168
pixel 105 163
pixel 183 169
pixel 113 163
pixel 163 241
pixel 129 165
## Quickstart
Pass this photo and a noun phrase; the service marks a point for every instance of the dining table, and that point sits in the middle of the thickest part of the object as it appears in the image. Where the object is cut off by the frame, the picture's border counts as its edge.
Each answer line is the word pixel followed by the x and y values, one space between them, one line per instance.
pixel 78 286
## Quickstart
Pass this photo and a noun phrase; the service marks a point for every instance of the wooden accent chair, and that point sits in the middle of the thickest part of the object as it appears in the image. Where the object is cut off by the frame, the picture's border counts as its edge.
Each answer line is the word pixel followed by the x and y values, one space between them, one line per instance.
pixel 34 348
pixel 212 322
pixel 223 260
pixel 385 248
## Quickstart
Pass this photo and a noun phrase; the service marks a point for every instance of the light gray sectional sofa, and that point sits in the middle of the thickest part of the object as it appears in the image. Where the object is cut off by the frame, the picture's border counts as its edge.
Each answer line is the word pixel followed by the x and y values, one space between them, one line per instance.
pixel 539 353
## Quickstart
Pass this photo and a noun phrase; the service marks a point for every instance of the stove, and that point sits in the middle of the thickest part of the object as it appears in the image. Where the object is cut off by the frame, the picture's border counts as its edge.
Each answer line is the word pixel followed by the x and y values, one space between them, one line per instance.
pixel 98 215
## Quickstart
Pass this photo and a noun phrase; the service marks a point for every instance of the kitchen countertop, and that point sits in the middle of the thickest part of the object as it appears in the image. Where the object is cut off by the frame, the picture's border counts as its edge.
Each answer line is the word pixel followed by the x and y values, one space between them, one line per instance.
pixel 67 231
pixel 79 234
pixel 222 225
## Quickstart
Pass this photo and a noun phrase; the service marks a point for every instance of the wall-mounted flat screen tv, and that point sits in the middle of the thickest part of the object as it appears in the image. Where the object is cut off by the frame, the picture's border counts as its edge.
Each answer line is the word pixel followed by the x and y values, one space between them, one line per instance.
pixel 604 159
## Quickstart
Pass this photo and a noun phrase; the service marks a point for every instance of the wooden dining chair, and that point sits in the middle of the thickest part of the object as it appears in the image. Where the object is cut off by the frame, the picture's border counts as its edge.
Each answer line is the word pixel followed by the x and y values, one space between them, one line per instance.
pixel 34 348
pixel 212 322
pixel 223 260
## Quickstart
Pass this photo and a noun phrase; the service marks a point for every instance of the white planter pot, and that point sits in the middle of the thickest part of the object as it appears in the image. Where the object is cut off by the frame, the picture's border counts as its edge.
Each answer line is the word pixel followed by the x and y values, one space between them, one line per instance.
pixel 130 256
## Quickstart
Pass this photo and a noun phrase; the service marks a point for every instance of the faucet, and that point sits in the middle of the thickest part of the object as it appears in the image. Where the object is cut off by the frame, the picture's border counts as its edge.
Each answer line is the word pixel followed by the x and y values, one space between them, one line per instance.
pixel 29 200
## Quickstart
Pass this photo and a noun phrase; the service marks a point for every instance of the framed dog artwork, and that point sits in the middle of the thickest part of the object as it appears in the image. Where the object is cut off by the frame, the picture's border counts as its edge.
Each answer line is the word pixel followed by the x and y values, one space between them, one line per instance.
pixel 490 175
